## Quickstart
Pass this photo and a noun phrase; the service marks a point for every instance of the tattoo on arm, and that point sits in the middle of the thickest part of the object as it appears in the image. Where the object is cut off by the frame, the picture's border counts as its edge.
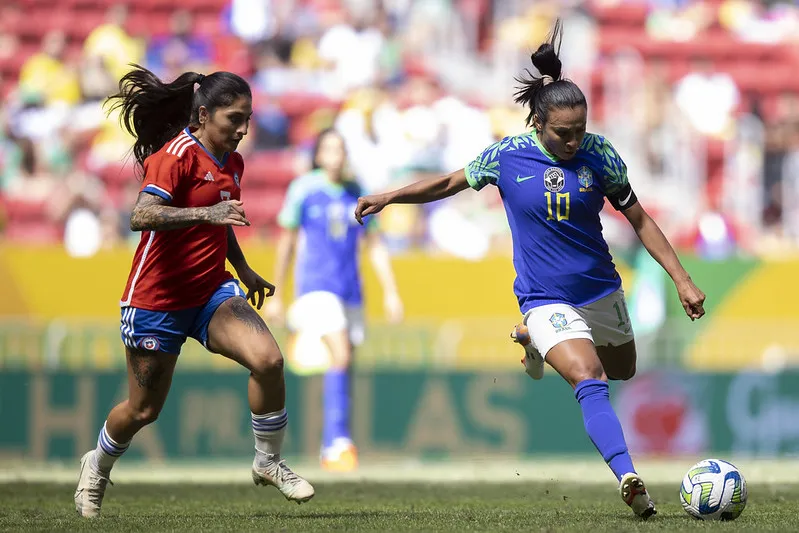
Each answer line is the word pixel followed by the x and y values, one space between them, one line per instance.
pixel 152 212
pixel 234 253
pixel 242 311
pixel 147 369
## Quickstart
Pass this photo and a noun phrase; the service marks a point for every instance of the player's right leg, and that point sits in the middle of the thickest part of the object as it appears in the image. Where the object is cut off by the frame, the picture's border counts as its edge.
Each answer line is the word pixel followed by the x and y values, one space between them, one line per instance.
pixel 152 342
pixel 562 334
pixel 324 314
pixel 338 451
pixel 149 379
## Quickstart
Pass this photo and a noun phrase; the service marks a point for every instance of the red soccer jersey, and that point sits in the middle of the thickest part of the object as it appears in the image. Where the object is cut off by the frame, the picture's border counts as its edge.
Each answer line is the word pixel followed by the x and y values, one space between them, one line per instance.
pixel 181 268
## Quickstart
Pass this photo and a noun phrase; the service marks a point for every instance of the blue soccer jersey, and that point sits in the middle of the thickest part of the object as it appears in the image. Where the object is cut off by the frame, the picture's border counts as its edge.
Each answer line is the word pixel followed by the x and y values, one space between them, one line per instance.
pixel 553 208
pixel 327 258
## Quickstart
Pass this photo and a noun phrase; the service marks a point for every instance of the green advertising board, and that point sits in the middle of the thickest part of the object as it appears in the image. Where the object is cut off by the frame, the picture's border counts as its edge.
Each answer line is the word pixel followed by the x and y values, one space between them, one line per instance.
pixel 433 414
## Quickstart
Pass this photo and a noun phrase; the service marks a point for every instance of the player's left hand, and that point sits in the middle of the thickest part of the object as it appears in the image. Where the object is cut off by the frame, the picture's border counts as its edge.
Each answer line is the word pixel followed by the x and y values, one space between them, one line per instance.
pixel 256 285
pixel 692 299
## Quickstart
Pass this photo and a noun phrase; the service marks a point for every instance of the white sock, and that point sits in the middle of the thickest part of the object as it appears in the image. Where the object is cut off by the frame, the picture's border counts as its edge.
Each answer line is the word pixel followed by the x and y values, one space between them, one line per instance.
pixel 269 430
pixel 107 452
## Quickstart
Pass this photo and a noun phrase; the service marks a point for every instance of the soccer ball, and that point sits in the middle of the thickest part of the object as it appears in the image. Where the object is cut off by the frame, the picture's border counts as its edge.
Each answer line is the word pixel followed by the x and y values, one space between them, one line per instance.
pixel 713 490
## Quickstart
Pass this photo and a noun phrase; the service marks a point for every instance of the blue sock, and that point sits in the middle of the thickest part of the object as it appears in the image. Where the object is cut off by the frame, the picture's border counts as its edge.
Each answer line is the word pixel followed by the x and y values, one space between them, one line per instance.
pixel 336 406
pixel 603 426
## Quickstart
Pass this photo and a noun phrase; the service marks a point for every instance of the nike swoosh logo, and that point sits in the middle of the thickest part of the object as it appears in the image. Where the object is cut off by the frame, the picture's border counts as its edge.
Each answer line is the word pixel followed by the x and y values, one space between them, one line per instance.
pixel 519 179
pixel 624 202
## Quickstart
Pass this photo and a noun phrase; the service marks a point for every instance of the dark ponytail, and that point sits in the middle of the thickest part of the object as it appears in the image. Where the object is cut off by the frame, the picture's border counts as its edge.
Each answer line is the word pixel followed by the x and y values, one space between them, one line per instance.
pixel 549 90
pixel 155 112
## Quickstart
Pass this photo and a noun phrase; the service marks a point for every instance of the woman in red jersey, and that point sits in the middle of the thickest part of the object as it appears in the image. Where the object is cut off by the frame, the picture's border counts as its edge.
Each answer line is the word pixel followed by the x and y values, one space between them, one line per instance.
pixel 186 135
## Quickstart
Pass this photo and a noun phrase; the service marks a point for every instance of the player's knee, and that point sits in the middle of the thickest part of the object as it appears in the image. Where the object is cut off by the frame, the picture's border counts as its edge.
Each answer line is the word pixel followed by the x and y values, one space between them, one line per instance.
pixel 267 361
pixel 582 372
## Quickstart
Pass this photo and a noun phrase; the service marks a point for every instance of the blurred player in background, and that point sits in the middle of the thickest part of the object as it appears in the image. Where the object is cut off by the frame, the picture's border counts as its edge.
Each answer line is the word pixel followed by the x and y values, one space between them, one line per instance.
pixel 553 182
pixel 178 287
pixel 317 213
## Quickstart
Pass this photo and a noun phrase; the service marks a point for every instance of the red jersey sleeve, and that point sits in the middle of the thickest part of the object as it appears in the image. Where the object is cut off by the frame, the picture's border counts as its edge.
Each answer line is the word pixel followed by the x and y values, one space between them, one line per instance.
pixel 163 173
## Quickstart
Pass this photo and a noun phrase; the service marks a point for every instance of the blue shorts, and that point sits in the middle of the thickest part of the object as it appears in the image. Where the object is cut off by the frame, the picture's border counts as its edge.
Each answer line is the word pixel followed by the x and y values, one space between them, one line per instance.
pixel 166 331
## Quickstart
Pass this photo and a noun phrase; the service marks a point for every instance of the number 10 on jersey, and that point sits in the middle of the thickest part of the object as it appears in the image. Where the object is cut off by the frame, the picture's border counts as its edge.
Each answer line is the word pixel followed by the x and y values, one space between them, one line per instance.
pixel 561 207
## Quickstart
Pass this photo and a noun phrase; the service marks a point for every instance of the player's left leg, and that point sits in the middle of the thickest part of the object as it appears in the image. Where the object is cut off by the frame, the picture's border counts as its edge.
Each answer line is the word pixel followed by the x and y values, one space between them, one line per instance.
pixel 238 332
pixel 576 360
pixel 565 336
pixel 615 347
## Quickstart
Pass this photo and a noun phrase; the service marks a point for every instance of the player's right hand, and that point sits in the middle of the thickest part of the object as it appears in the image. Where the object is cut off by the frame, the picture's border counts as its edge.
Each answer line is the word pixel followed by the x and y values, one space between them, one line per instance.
pixel 228 213
pixel 369 205
pixel 274 312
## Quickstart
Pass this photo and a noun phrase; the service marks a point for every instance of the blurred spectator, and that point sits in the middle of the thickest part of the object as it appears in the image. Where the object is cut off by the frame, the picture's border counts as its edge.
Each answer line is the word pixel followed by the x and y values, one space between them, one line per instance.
pixel 252 20
pixel 96 81
pixel 46 77
pixel 708 99
pixel 417 88
pixel 112 44
pixel 350 49
pixel 170 55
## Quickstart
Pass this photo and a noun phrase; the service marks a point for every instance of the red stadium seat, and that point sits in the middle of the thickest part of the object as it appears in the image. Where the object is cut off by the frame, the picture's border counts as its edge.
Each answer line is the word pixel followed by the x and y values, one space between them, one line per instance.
pixel 25 211
pixel 33 232
pixel 263 205
pixel 270 168
pixel 117 174
pixel 624 14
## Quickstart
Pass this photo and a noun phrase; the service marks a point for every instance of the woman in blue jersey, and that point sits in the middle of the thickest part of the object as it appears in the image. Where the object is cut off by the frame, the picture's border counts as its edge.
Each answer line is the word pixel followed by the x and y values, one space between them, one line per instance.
pixel 317 216
pixel 553 182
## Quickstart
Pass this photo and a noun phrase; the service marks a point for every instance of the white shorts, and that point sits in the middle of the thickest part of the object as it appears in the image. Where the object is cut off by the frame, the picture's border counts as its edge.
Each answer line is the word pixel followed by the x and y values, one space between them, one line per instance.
pixel 605 322
pixel 320 313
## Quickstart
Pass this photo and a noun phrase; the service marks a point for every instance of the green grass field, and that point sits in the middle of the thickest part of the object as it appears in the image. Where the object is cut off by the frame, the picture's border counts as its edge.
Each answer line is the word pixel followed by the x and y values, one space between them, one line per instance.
pixel 524 496
pixel 377 507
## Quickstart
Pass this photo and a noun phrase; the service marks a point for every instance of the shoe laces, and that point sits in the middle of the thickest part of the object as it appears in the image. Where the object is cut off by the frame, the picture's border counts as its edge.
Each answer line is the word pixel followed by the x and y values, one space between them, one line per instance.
pixel 285 473
pixel 97 484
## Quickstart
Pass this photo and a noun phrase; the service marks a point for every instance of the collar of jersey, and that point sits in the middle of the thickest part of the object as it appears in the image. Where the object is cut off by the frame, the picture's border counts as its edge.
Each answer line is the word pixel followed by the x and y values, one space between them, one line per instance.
pixel 552 157
pixel 214 159
pixel 329 184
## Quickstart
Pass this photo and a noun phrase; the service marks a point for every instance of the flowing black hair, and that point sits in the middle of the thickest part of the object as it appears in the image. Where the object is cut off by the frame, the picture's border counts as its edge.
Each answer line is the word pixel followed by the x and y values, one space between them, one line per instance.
pixel 155 112
pixel 540 94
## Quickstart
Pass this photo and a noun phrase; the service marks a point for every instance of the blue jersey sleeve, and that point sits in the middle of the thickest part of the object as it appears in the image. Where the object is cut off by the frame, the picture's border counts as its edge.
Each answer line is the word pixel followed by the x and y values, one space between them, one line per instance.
pixel 290 215
pixel 485 168
pixel 612 171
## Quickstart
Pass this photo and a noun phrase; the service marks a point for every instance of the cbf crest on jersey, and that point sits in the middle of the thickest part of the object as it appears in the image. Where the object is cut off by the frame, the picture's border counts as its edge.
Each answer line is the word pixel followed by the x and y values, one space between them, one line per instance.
pixel 559 322
pixel 554 179
pixel 586 179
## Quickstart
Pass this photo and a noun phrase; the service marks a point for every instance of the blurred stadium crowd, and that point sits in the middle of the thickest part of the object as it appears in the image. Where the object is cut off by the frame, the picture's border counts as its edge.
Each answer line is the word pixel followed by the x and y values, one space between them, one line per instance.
pixel 700 98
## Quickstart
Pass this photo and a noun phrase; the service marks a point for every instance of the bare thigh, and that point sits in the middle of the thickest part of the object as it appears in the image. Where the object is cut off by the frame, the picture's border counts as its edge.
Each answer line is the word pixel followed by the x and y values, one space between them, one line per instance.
pixel 238 332
pixel 576 360
pixel 149 379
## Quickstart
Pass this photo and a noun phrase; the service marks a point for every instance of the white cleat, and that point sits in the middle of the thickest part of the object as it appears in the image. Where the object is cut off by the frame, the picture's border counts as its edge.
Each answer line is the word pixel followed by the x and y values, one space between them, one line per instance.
pixel 633 492
pixel 533 362
pixel 91 488
pixel 278 474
